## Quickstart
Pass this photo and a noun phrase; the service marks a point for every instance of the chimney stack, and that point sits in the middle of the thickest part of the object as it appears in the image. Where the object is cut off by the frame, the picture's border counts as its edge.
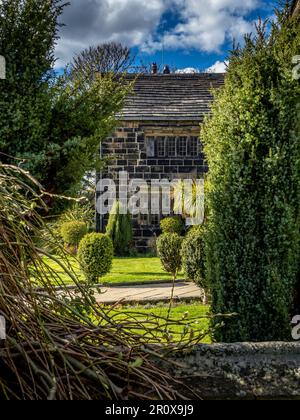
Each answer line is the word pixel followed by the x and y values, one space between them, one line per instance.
pixel 154 69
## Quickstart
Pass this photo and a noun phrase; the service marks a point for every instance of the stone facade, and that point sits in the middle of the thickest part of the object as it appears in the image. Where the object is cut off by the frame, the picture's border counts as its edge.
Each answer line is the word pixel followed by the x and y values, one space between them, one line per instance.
pixel 128 150
pixel 158 136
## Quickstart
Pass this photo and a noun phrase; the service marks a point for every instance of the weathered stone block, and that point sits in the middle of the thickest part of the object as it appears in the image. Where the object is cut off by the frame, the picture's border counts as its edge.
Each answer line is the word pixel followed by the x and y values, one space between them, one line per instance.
pixel 240 371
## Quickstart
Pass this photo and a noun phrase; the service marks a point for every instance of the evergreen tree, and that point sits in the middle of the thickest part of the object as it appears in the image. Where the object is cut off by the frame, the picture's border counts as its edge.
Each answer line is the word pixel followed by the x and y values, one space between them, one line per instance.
pixel 252 146
pixel 119 229
pixel 28 31
pixel 49 125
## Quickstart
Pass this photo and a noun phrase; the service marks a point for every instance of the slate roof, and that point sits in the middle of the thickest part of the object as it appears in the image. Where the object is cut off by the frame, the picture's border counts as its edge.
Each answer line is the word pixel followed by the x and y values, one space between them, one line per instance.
pixel 179 97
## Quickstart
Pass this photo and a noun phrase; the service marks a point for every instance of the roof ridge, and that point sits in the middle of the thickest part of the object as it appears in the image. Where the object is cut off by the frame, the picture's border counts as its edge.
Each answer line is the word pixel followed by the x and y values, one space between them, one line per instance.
pixel 173 75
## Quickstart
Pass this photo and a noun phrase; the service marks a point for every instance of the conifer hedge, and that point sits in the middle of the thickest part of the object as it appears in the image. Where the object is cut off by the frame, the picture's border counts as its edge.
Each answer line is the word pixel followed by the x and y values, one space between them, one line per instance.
pixel 252 146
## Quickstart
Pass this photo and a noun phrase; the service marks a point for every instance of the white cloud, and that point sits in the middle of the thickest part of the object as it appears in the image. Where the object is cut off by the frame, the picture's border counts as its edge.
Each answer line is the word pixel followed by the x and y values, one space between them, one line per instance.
pixel 91 22
pixel 218 67
pixel 203 25
pixel 188 70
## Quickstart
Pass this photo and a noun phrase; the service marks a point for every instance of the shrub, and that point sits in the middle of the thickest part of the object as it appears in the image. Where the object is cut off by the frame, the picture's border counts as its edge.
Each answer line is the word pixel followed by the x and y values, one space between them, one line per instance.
pixel 152 247
pixel 73 232
pixel 95 255
pixel 50 237
pixel 253 152
pixel 172 225
pixel 169 252
pixel 193 257
pixel 119 229
pixel 80 212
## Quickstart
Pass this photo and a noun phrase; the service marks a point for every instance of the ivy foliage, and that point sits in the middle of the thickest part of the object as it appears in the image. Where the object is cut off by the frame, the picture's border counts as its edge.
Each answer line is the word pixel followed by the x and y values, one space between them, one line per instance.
pixel 252 145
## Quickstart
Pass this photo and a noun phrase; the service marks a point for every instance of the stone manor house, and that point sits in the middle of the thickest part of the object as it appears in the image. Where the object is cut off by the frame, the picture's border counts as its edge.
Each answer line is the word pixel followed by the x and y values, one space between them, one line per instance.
pixel 158 135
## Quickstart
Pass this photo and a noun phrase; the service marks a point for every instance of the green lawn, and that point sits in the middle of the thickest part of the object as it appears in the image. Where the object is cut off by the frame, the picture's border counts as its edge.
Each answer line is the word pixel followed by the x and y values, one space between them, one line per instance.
pixel 185 319
pixel 125 270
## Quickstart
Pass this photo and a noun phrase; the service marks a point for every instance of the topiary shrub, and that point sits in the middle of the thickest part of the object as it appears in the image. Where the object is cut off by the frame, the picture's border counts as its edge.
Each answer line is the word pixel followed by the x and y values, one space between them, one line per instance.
pixel 253 152
pixel 172 225
pixel 95 255
pixel 169 251
pixel 119 229
pixel 72 233
pixel 193 258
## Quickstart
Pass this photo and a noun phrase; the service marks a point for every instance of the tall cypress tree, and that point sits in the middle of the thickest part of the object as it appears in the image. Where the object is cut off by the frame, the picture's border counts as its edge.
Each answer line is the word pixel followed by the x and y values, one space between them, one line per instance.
pixel 252 146
pixel 119 229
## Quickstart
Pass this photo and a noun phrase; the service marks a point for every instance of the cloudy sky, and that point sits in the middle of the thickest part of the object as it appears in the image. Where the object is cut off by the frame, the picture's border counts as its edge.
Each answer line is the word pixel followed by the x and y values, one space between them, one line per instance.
pixel 192 33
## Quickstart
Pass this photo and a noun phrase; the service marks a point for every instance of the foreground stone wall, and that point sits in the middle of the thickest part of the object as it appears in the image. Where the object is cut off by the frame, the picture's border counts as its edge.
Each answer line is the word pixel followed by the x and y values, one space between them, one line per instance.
pixel 240 371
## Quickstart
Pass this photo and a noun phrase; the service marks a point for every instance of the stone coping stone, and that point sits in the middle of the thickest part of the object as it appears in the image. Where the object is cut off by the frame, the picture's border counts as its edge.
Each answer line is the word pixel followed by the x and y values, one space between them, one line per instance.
pixel 252 371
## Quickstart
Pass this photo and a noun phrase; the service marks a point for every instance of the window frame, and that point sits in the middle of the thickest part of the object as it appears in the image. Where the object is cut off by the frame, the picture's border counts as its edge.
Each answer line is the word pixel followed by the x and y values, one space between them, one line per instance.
pixel 161 141
pixel 180 149
pixel 160 147
pixel 194 146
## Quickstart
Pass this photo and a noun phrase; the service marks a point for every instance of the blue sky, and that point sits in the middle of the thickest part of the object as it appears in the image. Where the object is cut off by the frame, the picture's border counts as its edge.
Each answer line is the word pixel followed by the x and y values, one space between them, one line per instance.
pixel 182 33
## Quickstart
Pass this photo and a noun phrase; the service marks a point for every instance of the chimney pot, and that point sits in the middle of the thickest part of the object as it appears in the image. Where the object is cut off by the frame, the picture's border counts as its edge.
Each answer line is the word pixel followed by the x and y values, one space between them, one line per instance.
pixel 154 69
pixel 167 70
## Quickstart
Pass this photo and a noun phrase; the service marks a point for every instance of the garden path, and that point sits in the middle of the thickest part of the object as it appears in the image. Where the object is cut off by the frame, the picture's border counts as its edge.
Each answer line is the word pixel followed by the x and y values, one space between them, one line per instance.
pixel 149 293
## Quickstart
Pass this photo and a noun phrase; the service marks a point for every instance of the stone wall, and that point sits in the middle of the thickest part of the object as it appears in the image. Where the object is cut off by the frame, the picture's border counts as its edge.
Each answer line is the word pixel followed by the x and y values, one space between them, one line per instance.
pixel 127 151
pixel 240 371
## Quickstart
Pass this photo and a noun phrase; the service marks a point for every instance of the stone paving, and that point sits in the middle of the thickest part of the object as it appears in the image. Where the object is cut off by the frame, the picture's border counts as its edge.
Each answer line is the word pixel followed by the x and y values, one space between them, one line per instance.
pixel 148 293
